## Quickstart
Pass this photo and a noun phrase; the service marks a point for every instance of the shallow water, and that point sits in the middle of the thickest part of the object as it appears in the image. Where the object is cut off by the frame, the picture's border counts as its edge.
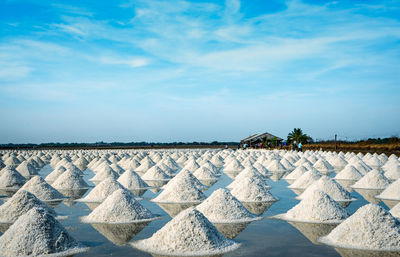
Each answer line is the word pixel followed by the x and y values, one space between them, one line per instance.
pixel 266 237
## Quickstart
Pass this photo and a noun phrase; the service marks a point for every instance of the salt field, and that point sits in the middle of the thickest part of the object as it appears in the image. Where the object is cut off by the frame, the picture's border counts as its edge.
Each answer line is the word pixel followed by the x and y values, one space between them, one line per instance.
pixel 198 203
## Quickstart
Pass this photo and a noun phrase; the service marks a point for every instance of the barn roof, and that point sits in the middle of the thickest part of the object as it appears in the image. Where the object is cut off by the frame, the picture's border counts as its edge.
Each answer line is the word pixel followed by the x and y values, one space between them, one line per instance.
pixel 256 137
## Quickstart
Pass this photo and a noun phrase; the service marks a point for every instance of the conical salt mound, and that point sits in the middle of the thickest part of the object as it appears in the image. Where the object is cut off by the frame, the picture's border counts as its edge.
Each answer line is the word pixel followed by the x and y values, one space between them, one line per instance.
pixel 55 174
pixel 395 211
pixel 20 203
pixel 249 173
pixel 204 173
pixel 132 181
pixel 373 180
pixel 316 207
pixel 119 207
pixel 392 192
pixel 393 172
pixel 276 167
pixel 330 187
pixel 155 173
pixel 369 228
pixel 41 235
pixel 37 186
pixel 222 207
pixel 252 190
pixel 323 166
pixel 70 180
pixel 26 170
pixel 186 175
pixel 11 179
pixel 188 234
pixel 296 173
pixel 100 192
pixel 306 180
pixel 233 166
pixel 106 172
pixel 349 173
pixel 180 191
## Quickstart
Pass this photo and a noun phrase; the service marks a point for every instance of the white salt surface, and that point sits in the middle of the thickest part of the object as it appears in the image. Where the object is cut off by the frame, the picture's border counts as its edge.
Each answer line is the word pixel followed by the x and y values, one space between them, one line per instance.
pixel 101 191
pixel 395 211
pixel 222 207
pixel 373 180
pixel 42 235
pixel 20 203
pixel 155 173
pixel 316 207
pixel 55 174
pixel 306 180
pixel 296 173
pixel 204 173
pixel 249 173
pixel 369 228
pixel 131 180
pixel 252 190
pixel 69 180
pixel 39 187
pixel 392 192
pixel 106 172
pixel 180 191
pixel 11 179
pixel 188 234
pixel 330 187
pixel 118 208
pixel 26 170
pixel 349 173
pixel 186 175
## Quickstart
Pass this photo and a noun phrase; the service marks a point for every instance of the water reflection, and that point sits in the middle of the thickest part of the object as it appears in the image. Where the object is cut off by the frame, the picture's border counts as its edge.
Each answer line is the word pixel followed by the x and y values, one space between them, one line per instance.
pixel 174 209
pixel 231 230
pixel 4 227
pixel 232 173
pixel 208 182
pixel 313 231
pixel 139 191
pixel 258 208
pixel 365 253
pixel 369 194
pixel 120 234
pixel 156 185
pixel 7 192
pixel 276 176
pixel 157 255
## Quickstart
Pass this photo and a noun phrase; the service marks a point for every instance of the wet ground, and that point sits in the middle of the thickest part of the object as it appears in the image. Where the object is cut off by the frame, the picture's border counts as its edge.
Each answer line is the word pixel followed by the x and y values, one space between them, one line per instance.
pixel 266 237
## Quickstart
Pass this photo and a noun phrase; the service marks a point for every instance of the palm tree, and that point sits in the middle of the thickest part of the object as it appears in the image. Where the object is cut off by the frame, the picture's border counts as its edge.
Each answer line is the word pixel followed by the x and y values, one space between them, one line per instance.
pixel 298 136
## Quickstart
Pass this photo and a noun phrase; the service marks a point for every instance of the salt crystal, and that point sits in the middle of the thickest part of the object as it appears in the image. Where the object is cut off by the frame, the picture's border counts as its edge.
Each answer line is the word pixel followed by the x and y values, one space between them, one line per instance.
pixel 372 180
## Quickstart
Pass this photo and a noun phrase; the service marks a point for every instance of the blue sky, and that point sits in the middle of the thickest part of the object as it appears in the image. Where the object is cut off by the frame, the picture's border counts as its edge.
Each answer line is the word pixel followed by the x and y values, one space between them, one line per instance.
pixel 87 71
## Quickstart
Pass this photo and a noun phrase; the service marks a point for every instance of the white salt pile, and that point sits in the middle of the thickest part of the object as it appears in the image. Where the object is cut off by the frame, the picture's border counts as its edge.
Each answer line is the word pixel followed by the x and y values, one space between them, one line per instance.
pixel 233 166
pixel 204 173
pixel 392 192
pixel 106 172
pixel 373 180
pixel 11 179
pixel 55 174
pixel 69 180
pixel 252 190
pixel 41 235
pixel 296 173
pixel 19 204
pixel 155 173
pixel 393 172
pixel 330 187
pixel 132 181
pixel 180 191
pixel 222 207
pixel 395 211
pixel 276 167
pixel 323 166
pixel 188 234
pixel 349 173
pixel 39 187
pixel 249 173
pixel 306 180
pixel 316 207
pixel 186 175
pixel 120 207
pixel 101 191
pixel 26 170
pixel 191 165
pixel 369 228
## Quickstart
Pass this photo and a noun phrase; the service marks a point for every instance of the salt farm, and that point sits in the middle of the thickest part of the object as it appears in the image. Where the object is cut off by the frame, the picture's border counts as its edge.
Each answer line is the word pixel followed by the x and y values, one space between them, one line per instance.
pixel 198 202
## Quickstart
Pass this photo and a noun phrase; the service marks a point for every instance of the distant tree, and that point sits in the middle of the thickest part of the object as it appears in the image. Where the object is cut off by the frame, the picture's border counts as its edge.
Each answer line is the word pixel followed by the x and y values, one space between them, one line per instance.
pixel 298 136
